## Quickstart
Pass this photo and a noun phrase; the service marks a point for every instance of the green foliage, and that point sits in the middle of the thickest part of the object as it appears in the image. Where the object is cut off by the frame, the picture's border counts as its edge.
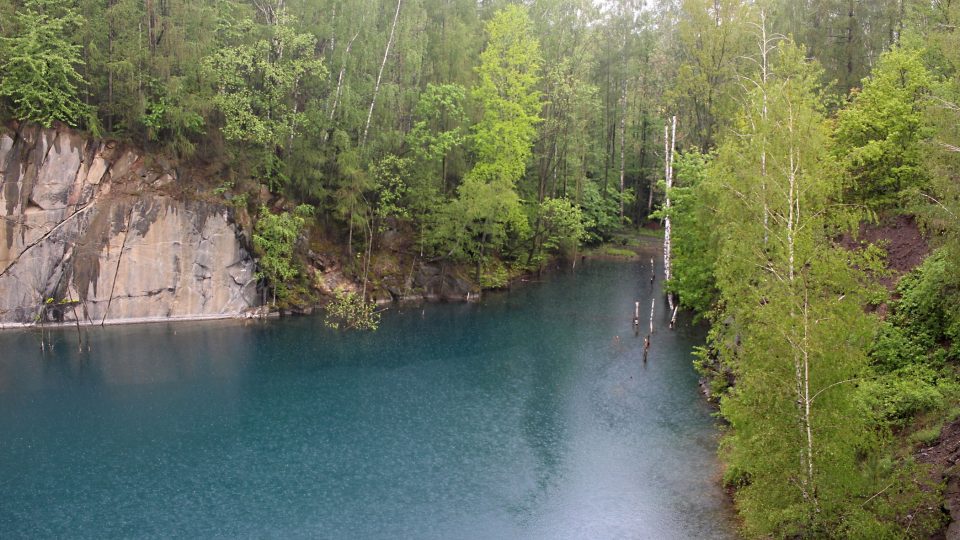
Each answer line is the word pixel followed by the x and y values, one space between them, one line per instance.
pixel 925 437
pixel 803 447
pixel 390 175
pixel 438 129
pixel 260 87
pixel 879 136
pixel 275 239
pixel 484 217
pixel 509 73
pixel 349 311
pixel 493 274
pixel 38 65
pixel 601 214
pixel 712 38
pixel 487 212
pixel 929 307
pixel 563 225
pixel 694 233
pixel 165 117
pixel 896 398
pixel 257 87
pixel 909 372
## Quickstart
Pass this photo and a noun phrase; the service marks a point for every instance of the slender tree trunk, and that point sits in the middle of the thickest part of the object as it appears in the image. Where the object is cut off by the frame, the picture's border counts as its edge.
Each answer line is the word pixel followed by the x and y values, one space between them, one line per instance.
pixel 339 92
pixel 801 350
pixel 350 234
pixel 376 88
pixel 670 142
pixel 807 417
pixel 607 134
pixel 623 141
pixel 151 26
pixel 653 302
pixel 765 49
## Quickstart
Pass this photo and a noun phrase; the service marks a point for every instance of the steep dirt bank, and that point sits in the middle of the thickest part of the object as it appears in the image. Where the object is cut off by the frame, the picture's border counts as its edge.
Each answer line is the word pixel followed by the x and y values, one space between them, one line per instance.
pixel 906 248
pixel 900 237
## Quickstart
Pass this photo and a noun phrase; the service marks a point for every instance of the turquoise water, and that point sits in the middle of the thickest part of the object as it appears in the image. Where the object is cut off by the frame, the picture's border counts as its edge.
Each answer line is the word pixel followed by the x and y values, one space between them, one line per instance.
pixel 529 415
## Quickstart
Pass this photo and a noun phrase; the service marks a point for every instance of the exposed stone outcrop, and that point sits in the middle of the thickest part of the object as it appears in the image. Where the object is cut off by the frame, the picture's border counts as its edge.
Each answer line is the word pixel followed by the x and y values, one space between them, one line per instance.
pixel 91 222
pixel 438 284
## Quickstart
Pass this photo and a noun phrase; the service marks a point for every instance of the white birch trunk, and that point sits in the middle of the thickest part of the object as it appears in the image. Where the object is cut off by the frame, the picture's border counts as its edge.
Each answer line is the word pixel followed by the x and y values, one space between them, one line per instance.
pixel 670 134
pixel 806 390
pixel 653 302
pixel 339 93
pixel 376 88
pixel 801 350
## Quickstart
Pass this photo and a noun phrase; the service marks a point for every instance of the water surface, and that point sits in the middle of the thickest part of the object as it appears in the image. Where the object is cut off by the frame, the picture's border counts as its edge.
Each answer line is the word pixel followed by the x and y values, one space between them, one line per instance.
pixel 529 415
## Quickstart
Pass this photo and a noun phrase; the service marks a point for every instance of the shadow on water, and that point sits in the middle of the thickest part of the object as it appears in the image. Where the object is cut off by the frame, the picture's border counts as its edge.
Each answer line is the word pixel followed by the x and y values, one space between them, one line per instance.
pixel 528 415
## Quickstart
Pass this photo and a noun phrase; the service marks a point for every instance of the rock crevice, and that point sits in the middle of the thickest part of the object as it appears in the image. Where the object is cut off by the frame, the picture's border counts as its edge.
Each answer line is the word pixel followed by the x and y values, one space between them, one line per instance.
pixel 82 221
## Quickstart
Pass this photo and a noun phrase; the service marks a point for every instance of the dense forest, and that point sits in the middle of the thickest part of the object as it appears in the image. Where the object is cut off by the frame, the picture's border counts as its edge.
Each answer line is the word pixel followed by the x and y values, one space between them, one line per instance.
pixel 500 134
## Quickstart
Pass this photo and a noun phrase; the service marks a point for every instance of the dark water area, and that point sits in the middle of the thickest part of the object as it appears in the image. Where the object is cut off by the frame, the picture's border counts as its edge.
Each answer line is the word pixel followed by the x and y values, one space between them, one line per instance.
pixel 528 415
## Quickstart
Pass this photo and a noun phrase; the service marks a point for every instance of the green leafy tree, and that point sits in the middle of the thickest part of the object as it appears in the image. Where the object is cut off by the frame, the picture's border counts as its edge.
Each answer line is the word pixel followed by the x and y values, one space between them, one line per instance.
pixel 438 130
pixel 349 311
pixel 694 247
pixel 601 211
pixel 275 238
pixel 509 74
pixel 261 88
pixel 391 176
pixel 880 136
pixel 487 210
pixel 38 65
pixel 563 226
pixel 938 206
pixel 798 436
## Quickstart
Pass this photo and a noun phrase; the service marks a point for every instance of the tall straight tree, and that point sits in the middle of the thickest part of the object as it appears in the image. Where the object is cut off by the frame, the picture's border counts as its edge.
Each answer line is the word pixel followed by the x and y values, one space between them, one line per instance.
pixel 669 147
pixel 488 207
pixel 376 87
pixel 796 428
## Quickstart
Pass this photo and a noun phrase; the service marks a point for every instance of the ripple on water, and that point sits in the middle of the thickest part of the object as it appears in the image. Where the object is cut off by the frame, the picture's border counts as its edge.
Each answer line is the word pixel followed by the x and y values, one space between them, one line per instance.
pixel 529 415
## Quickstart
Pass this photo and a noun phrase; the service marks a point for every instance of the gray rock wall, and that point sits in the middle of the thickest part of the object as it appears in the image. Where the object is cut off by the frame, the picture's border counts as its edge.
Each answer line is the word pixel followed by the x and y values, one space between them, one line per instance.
pixel 90 225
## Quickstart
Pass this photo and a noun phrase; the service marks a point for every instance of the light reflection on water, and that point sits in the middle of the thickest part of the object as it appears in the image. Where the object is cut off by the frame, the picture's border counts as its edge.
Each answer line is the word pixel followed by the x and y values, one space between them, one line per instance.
pixel 529 415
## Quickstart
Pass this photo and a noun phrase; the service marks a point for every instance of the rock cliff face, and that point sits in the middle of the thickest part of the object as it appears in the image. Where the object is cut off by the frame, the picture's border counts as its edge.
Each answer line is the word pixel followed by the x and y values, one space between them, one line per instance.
pixel 90 225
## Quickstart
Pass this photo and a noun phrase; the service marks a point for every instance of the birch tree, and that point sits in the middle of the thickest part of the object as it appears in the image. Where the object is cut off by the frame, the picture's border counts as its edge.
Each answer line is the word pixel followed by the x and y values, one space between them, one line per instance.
pixel 376 88
pixel 670 144
pixel 795 307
